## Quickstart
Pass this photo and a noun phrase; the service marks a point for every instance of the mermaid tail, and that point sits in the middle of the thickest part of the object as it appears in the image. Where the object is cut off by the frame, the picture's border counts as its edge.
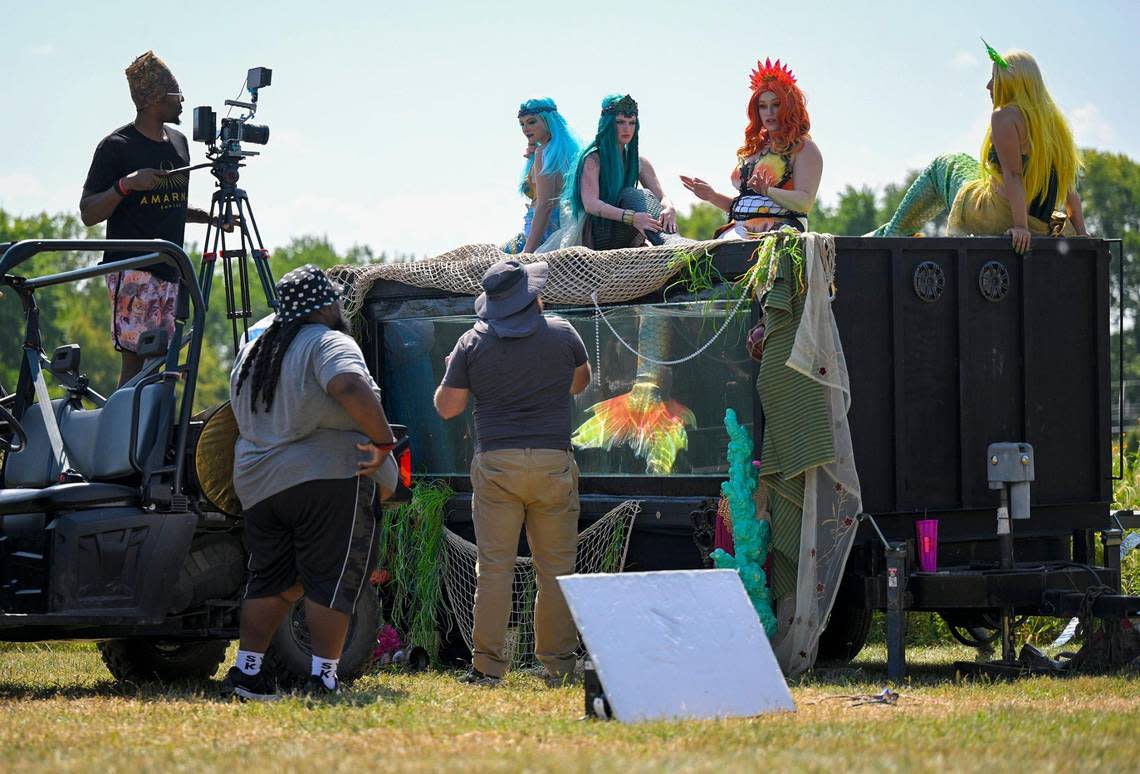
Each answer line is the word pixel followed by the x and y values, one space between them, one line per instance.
pixel 931 194
pixel 640 419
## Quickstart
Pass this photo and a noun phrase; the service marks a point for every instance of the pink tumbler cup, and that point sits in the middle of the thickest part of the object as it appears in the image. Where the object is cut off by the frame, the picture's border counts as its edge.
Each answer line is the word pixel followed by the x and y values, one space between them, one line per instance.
pixel 927 544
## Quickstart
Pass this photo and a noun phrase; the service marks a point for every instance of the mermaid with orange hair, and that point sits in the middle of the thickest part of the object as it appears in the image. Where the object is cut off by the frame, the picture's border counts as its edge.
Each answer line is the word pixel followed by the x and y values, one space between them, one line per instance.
pixel 778 167
pixel 1028 168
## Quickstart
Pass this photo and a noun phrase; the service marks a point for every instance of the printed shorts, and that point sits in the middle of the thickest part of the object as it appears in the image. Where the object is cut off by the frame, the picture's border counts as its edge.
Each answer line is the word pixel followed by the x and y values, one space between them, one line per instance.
pixel 140 302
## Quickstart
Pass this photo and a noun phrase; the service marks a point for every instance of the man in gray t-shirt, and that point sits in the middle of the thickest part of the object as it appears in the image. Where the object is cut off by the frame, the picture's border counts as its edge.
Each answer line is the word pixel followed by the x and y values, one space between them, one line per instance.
pixel 522 368
pixel 312 437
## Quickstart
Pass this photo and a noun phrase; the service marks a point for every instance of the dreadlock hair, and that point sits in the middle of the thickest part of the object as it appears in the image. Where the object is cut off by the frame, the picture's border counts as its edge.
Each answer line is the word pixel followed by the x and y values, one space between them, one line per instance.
pixel 264 360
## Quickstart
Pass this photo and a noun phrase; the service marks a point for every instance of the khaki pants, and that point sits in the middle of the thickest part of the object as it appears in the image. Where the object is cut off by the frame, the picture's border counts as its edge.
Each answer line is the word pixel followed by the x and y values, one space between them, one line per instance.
pixel 538 488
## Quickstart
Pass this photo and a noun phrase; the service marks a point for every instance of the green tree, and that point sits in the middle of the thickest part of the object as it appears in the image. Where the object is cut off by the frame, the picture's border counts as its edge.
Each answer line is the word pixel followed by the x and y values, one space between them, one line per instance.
pixel 62 308
pixel 1110 193
pixel 701 222
pixel 854 214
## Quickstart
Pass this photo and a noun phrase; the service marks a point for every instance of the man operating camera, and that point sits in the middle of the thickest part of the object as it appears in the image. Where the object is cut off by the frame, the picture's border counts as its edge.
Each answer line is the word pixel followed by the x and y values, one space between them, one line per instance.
pixel 131 186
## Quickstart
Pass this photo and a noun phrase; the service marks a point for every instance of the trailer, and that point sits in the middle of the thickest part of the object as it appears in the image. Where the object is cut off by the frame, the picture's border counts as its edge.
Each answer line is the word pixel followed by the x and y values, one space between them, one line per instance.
pixel 952 345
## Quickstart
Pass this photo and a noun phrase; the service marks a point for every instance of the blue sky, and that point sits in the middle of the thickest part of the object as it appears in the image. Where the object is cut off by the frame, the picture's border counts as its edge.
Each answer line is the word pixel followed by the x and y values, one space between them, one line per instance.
pixel 393 124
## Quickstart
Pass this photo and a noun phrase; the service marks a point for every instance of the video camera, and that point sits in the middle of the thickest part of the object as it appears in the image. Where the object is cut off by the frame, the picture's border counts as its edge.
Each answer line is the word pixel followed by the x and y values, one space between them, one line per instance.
pixel 226 144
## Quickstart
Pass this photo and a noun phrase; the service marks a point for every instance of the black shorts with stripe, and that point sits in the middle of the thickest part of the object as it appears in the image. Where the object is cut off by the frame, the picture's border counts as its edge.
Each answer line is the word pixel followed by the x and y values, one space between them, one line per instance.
pixel 319 533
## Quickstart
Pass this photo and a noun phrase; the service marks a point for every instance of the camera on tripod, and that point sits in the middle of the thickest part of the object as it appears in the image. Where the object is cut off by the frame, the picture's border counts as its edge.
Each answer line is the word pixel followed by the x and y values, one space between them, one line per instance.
pixel 230 208
pixel 226 144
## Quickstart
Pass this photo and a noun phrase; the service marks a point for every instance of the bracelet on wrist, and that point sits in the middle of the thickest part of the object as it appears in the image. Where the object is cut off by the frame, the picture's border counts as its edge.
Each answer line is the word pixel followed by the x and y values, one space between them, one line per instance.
pixel 384 446
pixel 627 217
pixel 122 189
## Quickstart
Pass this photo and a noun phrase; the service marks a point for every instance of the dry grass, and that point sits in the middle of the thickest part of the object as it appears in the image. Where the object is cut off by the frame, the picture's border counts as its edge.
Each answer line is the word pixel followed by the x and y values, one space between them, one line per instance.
pixel 59 710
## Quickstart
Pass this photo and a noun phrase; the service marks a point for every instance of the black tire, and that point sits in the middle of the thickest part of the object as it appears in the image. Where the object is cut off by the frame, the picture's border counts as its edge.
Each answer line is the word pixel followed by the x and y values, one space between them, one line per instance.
pixel 214 568
pixel 290 656
pixel 847 628
pixel 141 660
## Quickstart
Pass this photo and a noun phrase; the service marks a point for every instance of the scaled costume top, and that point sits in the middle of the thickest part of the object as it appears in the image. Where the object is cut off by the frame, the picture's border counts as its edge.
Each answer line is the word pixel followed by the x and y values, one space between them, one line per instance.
pixel 754 213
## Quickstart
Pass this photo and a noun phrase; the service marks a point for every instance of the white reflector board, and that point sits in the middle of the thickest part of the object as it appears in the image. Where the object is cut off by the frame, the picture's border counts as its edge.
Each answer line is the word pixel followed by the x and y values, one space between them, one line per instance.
pixel 676 644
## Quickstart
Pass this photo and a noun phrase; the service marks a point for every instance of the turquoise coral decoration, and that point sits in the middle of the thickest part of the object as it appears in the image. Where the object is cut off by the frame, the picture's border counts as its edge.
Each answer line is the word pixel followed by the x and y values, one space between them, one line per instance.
pixel 995 57
pixel 749 534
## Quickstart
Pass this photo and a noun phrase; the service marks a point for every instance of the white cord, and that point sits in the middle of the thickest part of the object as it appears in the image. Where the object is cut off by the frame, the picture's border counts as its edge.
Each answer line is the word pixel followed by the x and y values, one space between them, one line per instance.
pixel 706 345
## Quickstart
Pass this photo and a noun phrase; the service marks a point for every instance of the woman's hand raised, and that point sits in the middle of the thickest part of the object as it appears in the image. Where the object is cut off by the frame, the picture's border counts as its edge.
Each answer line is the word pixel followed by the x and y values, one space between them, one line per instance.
pixel 699 188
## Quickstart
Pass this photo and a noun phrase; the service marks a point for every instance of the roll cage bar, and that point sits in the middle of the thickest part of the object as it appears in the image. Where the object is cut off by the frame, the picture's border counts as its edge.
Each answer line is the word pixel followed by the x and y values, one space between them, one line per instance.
pixel 190 305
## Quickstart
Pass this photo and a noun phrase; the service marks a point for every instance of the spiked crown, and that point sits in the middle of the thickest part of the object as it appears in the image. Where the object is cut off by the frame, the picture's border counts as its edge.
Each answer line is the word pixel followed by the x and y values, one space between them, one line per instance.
pixel 767 72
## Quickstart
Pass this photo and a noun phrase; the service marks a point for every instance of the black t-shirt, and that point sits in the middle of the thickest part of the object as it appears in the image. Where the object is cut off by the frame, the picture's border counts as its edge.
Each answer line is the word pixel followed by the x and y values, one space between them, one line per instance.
pixel 521 386
pixel 156 214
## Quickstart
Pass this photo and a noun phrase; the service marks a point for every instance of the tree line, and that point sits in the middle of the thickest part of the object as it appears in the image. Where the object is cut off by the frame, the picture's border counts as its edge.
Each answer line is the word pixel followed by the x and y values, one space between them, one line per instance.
pixel 80 312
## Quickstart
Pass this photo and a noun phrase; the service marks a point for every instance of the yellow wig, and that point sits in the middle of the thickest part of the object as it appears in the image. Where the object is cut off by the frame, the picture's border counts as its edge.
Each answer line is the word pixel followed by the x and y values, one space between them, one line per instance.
pixel 1051 145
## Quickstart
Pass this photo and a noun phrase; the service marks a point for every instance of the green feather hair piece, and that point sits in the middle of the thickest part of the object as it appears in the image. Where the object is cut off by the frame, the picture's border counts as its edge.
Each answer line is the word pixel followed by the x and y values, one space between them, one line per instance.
pixel 995 56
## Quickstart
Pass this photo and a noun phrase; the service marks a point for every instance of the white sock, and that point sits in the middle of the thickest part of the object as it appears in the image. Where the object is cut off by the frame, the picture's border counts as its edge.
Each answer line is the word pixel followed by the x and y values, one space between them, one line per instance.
pixel 325 668
pixel 249 662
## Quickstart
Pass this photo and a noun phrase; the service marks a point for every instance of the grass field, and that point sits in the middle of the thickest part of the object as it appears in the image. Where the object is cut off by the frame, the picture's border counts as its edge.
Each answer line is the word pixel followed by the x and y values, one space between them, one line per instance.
pixel 61 711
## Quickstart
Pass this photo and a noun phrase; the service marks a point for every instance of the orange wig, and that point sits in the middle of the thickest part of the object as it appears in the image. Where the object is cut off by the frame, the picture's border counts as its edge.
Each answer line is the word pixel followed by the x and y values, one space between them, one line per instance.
pixel 794 121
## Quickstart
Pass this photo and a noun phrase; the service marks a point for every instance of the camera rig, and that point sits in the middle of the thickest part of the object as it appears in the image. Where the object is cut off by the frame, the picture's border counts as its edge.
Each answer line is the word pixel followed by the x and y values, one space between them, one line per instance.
pixel 230 207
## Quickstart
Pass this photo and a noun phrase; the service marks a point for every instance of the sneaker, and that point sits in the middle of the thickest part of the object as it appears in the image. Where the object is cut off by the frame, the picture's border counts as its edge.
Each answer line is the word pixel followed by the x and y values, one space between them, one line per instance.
pixel 315 688
pixel 258 687
pixel 474 677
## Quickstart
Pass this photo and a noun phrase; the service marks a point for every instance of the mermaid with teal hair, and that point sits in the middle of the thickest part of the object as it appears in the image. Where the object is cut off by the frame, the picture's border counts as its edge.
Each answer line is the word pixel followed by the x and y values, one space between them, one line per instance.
pixel 606 208
pixel 551 152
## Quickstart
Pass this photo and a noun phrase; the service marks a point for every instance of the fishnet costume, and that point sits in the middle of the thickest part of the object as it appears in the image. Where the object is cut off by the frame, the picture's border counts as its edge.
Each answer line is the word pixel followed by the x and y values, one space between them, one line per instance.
pixel 602 547
pixel 576 273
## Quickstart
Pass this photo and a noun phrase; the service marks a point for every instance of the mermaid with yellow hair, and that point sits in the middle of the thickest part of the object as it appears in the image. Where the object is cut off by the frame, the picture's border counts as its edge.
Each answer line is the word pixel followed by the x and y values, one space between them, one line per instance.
pixel 1028 168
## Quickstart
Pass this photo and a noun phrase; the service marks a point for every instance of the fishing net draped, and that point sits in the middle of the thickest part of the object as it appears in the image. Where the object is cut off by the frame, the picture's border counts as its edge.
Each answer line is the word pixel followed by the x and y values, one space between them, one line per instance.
pixel 576 273
pixel 602 547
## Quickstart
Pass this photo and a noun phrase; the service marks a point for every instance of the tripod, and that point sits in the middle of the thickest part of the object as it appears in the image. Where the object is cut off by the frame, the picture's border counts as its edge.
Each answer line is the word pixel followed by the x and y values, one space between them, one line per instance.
pixel 229 200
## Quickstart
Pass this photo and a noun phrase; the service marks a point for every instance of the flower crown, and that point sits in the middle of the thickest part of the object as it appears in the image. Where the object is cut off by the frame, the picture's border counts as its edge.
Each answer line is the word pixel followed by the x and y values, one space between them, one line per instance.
pixel 525 111
pixel 768 72
pixel 625 106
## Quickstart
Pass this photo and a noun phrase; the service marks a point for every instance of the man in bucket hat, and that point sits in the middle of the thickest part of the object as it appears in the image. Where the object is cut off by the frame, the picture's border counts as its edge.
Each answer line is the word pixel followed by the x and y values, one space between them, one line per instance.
pixel 522 367
pixel 311 457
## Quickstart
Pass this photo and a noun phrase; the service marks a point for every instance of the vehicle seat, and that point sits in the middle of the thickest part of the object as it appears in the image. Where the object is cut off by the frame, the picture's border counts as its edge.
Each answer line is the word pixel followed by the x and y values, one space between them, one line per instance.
pixel 98 446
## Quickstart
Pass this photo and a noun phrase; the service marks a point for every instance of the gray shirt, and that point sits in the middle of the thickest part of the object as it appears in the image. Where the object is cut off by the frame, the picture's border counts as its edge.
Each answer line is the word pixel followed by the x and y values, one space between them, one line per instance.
pixel 305 435
pixel 521 386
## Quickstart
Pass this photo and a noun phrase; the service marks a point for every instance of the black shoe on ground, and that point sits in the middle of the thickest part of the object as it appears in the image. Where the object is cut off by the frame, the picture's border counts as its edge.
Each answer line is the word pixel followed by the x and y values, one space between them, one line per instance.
pixel 559 681
pixel 474 677
pixel 258 687
pixel 315 688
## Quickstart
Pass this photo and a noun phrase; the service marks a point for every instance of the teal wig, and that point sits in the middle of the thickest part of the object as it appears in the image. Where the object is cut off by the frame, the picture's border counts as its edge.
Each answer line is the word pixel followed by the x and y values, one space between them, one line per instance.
pixel 561 151
pixel 618 168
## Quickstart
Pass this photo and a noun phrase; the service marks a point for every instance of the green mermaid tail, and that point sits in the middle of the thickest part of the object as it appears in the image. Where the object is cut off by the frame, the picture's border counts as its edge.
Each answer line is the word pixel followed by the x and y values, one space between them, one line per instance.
pixel 931 194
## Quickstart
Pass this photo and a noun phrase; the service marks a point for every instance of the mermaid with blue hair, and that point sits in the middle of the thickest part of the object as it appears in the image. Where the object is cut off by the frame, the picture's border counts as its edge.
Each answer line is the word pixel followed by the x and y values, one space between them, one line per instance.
pixel 550 154
pixel 607 210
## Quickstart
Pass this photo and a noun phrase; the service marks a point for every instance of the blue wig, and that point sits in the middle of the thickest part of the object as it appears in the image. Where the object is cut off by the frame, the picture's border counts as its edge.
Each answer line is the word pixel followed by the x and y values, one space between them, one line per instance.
pixel 618 168
pixel 561 151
